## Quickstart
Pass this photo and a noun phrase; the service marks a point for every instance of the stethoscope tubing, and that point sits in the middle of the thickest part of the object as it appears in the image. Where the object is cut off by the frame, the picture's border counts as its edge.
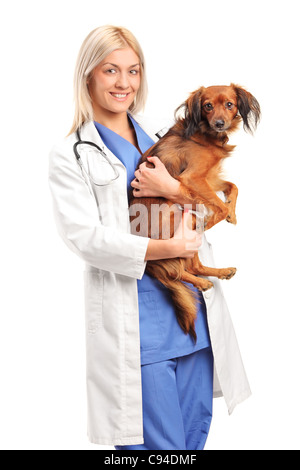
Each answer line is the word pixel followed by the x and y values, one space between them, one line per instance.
pixel 92 144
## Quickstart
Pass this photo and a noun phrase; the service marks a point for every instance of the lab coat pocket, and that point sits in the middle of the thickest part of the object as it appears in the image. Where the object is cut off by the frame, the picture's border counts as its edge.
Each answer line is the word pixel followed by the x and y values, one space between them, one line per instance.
pixel 149 322
pixel 93 289
pixel 101 170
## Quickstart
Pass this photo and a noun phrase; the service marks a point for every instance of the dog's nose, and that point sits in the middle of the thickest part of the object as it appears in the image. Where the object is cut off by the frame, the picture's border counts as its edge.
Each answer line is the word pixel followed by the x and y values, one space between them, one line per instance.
pixel 220 124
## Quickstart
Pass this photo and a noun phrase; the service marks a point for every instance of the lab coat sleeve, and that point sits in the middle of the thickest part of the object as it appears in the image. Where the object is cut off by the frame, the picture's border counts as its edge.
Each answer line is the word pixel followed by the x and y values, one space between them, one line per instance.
pixel 77 219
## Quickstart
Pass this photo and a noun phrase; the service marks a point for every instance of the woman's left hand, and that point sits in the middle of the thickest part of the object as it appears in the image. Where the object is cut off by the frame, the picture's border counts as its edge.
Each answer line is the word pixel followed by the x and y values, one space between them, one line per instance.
pixel 154 182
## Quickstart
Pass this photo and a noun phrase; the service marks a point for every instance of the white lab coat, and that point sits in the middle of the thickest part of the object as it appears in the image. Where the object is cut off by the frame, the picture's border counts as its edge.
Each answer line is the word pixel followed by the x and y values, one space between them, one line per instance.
pixel 93 221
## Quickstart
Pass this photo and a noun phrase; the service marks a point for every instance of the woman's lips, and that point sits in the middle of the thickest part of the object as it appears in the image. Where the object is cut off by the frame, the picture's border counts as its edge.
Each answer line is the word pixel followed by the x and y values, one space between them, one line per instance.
pixel 120 96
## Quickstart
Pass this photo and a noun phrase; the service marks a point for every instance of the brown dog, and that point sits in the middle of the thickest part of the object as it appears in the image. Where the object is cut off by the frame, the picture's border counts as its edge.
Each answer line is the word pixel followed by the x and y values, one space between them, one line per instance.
pixel 193 151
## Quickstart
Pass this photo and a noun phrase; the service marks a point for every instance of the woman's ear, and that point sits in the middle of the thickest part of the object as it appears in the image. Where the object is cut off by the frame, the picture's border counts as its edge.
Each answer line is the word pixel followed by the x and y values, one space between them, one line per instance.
pixel 248 107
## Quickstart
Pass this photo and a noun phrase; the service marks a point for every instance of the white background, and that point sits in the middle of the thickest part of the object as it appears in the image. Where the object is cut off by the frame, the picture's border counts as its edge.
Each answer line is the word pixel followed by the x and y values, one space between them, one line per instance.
pixel 187 44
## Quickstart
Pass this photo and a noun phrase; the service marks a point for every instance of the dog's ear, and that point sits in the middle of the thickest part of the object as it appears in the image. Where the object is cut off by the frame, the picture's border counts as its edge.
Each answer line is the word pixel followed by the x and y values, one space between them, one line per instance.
pixel 248 107
pixel 192 113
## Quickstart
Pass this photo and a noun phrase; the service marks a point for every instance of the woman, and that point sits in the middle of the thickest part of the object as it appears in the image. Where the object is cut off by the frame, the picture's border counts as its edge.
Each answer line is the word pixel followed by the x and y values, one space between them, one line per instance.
pixel 149 385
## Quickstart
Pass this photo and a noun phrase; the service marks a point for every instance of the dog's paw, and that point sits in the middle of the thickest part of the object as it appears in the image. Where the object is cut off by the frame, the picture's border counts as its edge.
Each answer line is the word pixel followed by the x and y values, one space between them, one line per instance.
pixel 231 218
pixel 227 273
pixel 206 286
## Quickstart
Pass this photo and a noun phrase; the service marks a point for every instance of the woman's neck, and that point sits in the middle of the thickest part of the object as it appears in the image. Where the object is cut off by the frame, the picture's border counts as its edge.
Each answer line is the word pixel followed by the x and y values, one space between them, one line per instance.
pixel 116 122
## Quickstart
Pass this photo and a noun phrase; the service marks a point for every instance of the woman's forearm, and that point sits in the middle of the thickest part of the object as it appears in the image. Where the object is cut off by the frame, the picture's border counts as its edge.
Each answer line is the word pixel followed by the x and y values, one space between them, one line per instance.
pixel 176 196
pixel 185 244
pixel 158 249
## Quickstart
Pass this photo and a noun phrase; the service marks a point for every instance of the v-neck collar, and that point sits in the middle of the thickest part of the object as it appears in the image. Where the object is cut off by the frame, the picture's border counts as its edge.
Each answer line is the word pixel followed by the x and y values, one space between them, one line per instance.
pixel 127 153
pixel 137 131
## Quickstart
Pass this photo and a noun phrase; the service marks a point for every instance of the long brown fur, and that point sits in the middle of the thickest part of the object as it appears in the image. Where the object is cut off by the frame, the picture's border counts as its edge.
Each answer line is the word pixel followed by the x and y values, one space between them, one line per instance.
pixel 193 151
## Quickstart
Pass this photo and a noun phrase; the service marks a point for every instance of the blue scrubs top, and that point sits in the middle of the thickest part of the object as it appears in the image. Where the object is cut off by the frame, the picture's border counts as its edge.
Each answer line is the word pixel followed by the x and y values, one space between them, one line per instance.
pixel 161 336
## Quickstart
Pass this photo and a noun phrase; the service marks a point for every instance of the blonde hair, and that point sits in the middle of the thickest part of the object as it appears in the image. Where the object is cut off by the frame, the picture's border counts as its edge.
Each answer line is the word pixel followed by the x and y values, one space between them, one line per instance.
pixel 99 44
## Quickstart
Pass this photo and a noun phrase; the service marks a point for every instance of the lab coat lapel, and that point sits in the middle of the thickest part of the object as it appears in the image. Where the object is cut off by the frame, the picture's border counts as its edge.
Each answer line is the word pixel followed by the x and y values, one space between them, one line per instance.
pixel 90 133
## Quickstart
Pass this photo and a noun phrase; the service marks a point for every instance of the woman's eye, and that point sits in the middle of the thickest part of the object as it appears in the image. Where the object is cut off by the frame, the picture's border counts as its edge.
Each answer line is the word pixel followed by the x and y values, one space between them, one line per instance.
pixel 134 72
pixel 110 71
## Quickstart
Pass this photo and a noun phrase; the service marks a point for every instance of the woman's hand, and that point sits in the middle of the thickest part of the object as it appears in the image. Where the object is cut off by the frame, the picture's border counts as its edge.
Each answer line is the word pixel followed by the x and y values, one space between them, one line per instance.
pixel 155 182
pixel 185 243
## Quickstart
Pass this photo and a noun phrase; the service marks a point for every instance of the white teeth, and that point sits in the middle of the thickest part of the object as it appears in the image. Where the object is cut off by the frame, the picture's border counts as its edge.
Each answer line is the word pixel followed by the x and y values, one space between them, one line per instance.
pixel 119 96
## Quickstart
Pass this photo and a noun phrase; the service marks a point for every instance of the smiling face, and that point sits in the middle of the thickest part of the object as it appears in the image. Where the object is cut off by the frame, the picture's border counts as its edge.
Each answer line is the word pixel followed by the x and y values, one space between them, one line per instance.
pixel 115 82
pixel 219 107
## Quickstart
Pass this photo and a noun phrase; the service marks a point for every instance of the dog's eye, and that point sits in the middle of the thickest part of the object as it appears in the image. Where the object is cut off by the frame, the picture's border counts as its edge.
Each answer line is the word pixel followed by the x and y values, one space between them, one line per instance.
pixel 229 105
pixel 208 107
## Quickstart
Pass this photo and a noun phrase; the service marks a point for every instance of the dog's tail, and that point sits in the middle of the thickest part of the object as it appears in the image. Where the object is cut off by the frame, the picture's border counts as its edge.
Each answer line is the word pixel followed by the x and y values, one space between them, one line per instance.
pixel 185 303
pixel 185 299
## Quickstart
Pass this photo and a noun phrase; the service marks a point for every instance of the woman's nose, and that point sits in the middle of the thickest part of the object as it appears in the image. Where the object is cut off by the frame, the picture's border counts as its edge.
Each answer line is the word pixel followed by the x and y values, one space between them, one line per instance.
pixel 122 81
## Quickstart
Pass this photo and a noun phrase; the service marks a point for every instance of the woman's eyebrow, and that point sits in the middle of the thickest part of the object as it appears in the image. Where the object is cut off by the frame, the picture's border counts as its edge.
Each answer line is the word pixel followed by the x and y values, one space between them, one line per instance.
pixel 115 65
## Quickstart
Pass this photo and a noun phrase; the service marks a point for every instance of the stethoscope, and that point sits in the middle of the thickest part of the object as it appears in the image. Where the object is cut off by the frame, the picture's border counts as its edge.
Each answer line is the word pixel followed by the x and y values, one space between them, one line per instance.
pixel 102 153
pixel 159 134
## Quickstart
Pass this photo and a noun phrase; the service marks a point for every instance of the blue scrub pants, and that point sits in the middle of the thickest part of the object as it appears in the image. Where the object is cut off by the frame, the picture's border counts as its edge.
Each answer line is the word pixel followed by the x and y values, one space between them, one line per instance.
pixel 177 403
